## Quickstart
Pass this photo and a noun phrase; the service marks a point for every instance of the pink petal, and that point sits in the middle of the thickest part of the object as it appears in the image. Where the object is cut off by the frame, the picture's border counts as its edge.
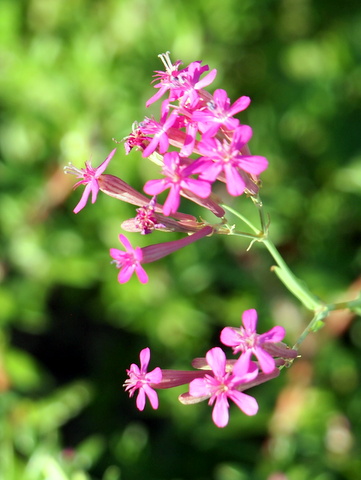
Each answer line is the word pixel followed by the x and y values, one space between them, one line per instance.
pixel 156 96
pixel 152 396
pixel 140 400
pixel 201 188
pixel 266 362
pixel 253 164
pixel 84 199
pixel 235 183
pixel 144 357
pixel 244 369
pixel 276 334
pixel 216 359
pixel 141 274
pixel 115 253
pixel 242 135
pixel 249 319
pixel 173 200
pixel 211 171
pixel 154 187
pixel 239 105
pixel 104 165
pixel 245 402
pixel 94 189
pixel 220 97
pixel 125 242
pixel 163 143
pixel 198 388
pixel 125 273
pixel 155 376
pixel 220 414
pixel 151 147
pixel 230 337
pixel 207 80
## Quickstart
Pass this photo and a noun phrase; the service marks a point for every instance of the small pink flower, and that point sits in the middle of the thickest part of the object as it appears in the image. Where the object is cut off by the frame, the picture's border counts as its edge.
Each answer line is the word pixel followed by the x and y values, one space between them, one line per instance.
pixel 222 385
pixel 177 178
pixel 89 177
pixel 136 139
pixel 190 87
pixel 225 157
pixel 129 261
pixel 159 132
pixel 184 84
pixel 166 79
pixel 146 219
pixel 246 340
pixel 140 379
pixel 220 112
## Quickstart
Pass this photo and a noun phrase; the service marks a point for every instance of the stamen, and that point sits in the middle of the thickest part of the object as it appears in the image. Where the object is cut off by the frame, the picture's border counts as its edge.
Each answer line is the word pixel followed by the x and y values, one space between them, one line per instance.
pixel 70 169
pixel 167 62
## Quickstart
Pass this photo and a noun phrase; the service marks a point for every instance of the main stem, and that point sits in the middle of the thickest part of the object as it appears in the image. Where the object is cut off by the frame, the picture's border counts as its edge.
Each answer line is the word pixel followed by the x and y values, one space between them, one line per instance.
pixel 296 286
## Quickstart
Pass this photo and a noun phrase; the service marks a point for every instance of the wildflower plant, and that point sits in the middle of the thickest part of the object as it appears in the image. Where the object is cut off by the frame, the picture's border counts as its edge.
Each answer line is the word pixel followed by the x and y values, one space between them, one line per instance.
pixel 199 142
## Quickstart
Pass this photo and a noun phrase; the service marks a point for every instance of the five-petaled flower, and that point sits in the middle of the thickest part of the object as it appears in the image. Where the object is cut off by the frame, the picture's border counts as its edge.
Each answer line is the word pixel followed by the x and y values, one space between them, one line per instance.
pixel 218 112
pixel 89 177
pixel 246 340
pixel 225 157
pixel 177 178
pixel 129 261
pixel 222 385
pixel 140 379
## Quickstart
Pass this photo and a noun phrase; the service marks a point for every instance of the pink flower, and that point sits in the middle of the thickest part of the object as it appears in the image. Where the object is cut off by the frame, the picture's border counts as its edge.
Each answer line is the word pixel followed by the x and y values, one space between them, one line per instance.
pixel 159 132
pixel 220 112
pixel 189 88
pixel 129 261
pixel 166 79
pixel 140 379
pixel 146 219
pixel 89 177
pixel 222 385
pixel 246 340
pixel 136 139
pixel 225 157
pixel 177 179
pixel 185 84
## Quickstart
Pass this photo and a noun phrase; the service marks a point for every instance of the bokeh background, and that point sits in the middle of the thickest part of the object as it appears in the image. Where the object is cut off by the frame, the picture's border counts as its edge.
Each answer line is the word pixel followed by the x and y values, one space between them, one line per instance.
pixel 74 75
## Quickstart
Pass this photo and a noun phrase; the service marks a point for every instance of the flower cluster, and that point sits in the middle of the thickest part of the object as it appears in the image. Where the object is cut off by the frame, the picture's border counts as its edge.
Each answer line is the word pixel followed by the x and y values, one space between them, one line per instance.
pixel 218 379
pixel 198 124
pixel 196 142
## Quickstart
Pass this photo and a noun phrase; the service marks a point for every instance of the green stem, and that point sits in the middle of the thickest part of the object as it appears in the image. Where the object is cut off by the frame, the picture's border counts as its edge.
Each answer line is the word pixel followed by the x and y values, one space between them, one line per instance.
pixel 315 324
pixel 241 217
pixel 296 286
pixel 293 284
pixel 351 305
pixel 319 318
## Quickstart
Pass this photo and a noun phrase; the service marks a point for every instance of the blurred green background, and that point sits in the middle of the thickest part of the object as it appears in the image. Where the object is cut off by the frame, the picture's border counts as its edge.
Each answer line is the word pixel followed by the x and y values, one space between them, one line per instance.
pixel 74 75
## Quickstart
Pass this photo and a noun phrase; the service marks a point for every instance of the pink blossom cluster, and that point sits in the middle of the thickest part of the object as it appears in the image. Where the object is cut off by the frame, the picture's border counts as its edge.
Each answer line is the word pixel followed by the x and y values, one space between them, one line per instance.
pixel 217 379
pixel 212 143
pixel 196 141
